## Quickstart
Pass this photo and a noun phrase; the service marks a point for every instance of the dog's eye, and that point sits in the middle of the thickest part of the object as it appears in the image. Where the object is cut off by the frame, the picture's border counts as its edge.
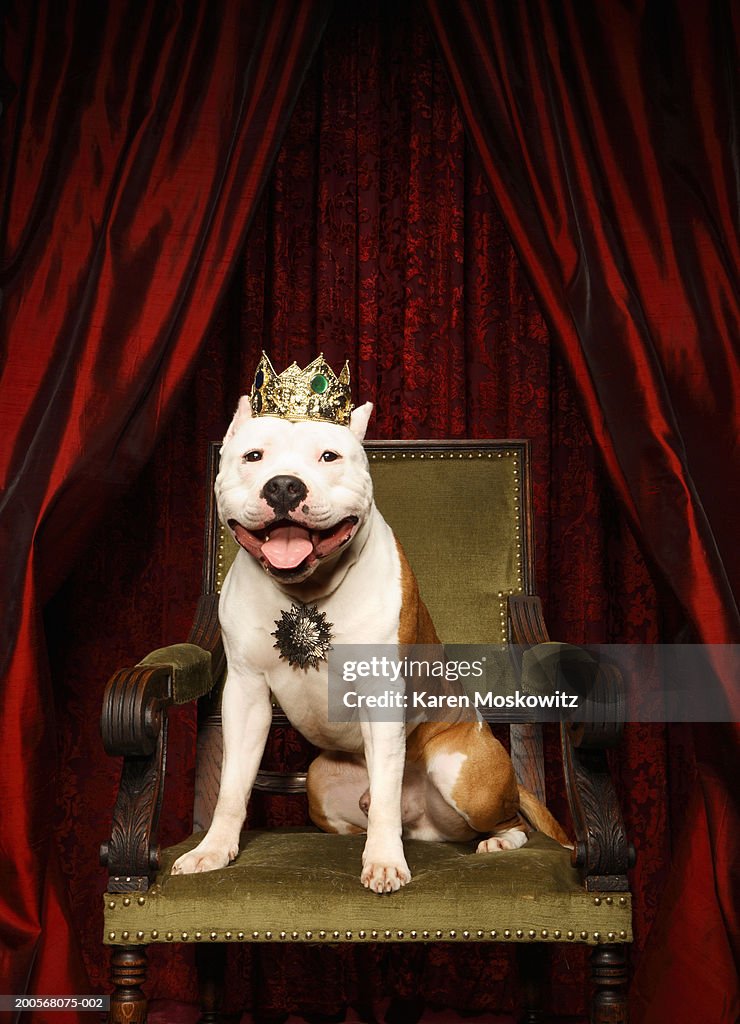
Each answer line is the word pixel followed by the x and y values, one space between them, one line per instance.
pixel 253 456
pixel 329 456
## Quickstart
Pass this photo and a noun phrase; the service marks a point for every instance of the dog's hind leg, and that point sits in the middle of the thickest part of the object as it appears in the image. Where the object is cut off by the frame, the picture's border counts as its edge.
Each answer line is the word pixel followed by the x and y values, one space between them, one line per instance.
pixel 337 787
pixel 473 773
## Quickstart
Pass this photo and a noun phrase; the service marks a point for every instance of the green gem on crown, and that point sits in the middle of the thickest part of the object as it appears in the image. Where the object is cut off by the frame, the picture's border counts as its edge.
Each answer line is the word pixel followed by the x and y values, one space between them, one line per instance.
pixel 319 384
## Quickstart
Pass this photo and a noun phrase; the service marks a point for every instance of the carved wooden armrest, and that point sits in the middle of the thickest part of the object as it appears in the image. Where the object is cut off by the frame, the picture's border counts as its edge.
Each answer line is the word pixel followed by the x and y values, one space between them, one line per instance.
pixel 134 726
pixel 601 851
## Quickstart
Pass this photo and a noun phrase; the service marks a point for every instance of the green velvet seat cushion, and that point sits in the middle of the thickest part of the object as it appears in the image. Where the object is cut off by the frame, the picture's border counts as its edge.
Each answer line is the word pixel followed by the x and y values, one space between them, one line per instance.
pixel 303 885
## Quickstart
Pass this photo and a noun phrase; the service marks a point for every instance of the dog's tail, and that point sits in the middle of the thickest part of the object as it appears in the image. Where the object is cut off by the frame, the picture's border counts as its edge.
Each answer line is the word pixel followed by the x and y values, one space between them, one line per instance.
pixel 540 818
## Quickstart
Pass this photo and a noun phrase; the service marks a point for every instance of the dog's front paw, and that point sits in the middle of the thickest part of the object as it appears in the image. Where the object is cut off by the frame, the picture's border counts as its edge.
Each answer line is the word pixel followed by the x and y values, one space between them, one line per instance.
pixel 383 873
pixel 204 858
pixel 385 877
pixel 511 839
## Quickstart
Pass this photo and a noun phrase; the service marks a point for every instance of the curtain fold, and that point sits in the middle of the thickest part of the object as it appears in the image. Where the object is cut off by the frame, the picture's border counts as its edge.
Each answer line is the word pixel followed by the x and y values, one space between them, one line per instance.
pixel 627 229
pixel 136 141
pixel 607 136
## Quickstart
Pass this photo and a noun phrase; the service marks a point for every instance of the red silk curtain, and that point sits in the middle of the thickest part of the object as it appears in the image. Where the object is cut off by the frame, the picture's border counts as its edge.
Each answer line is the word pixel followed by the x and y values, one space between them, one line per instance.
pixel 136 139
pixel 606 134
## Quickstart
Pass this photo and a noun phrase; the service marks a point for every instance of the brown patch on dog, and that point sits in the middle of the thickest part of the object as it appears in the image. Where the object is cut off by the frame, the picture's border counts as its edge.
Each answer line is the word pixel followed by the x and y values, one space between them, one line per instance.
pixel 485 792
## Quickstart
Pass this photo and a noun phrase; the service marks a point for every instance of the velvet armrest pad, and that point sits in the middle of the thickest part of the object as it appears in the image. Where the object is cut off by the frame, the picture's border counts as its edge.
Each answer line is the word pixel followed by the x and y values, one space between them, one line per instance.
pixel 191 670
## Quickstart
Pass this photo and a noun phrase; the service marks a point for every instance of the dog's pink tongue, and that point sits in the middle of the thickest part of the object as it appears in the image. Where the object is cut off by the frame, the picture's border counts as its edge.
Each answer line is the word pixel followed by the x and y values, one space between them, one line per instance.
pixel 287 547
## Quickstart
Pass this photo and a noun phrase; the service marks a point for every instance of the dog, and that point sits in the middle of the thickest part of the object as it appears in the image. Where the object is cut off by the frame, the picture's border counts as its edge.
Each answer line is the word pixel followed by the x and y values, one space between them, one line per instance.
pixel 296 494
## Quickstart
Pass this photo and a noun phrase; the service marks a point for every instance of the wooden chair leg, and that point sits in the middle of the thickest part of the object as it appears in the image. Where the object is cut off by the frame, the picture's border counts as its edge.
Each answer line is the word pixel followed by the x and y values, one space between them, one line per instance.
pixel 128 974
pixel 532 961
pixel 404 1011
pixel 609 981
pixel 211 966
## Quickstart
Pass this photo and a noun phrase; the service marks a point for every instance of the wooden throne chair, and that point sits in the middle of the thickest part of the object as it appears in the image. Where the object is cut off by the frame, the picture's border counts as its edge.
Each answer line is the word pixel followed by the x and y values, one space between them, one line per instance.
pixel 531 899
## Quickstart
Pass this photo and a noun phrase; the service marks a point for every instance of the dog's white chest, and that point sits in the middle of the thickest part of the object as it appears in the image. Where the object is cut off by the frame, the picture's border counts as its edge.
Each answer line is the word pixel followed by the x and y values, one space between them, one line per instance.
pixel 363 609
pixel 302 694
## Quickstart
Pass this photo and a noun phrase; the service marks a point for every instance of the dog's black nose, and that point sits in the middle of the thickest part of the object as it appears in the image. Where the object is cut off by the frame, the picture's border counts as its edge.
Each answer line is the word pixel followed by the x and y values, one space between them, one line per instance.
pixel 284 493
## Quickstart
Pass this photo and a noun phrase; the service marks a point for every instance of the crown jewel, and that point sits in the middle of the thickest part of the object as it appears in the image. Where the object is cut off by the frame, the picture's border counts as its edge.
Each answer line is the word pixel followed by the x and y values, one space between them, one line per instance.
pixel 314 393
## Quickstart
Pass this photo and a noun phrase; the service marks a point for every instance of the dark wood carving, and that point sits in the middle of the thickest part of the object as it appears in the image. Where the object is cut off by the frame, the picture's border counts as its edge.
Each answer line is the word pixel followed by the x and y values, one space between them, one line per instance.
pixel 601 848
pixel 532 963
pixel 527 627
pixel 280 782
pixel 210 550
pixel 609 980
pixel 128 974
pixel 211 966
pixel 206 633
pixel 208 758
pixel 527 756
pixel 527 621
pixel 134 726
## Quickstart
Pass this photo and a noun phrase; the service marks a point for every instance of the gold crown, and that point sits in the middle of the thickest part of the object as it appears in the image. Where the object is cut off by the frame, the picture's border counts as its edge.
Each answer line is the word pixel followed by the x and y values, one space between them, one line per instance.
pixel 315 393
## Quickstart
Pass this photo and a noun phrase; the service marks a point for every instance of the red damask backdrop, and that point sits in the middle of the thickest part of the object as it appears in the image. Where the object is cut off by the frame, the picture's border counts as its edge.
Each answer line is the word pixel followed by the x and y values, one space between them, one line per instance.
pixel 376 239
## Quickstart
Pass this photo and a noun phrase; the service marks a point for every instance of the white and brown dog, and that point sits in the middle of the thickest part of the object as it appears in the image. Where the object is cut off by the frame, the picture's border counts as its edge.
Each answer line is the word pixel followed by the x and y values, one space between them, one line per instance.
pixel 298 498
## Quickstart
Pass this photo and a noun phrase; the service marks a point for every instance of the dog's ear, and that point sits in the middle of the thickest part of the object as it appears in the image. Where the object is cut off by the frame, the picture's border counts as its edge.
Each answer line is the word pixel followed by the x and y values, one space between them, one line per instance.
pixel 359 419
pixel 243 413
